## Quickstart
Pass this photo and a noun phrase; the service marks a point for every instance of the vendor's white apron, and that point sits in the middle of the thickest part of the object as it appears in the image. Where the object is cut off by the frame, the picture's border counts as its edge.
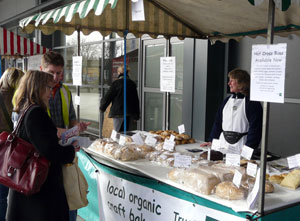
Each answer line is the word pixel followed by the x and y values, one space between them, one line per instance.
pixel 234 119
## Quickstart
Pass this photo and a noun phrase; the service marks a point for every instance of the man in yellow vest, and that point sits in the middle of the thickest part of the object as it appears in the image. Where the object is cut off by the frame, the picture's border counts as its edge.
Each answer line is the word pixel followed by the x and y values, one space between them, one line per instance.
pixel 61 109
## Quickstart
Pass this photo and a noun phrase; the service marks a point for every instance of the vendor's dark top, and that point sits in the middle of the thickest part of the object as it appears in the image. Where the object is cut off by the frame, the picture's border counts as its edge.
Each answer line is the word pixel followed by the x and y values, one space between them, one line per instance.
pixel 115 95
pixel 50 203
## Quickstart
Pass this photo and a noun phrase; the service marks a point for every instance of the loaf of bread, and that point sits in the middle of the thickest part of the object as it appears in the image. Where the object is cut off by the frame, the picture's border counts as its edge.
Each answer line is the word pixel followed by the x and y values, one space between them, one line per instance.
pixel 195 179
pixel 227 190
pixel 249 182
pixel 214 155
pixel 276 178
pixel 292 180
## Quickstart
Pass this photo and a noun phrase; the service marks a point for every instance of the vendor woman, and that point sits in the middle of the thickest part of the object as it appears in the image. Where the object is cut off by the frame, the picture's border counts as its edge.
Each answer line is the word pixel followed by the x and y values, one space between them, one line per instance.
pixel 239 120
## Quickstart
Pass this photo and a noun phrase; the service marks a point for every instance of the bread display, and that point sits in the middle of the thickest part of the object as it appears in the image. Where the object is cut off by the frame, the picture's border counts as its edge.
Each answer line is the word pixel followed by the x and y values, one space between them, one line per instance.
pixel 227 190
pixel 195 179
pixel 179 138
pixel 292 180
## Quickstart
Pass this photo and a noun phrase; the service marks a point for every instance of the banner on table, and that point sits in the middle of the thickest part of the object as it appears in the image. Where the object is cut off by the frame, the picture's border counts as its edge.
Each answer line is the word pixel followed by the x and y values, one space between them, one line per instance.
pixel 120 199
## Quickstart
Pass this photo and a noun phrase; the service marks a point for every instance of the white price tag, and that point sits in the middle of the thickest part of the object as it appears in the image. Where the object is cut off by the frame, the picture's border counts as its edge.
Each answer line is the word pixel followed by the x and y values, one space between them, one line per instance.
pixel 172 137
pixel 181 129
pixel 251 169
pixel 114 135
pixel 169 145
pixel 233 149
pixel 150 140
pixel 208 154
pixel 247 152
pixel 216 144
pixel 122 140
pixel 233 159
pixel 237 178
pixel 137 139
pixel 292 161
pixel 182 161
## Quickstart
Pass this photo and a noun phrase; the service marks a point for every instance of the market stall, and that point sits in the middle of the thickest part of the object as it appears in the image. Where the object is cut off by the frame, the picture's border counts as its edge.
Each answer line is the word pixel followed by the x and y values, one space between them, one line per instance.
pixel 103 169
pixel 220 23
pixel 15 46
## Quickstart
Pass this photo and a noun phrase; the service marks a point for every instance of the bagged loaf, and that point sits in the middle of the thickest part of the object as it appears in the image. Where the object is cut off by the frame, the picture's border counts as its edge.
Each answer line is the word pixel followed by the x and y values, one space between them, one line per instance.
pixel 227 190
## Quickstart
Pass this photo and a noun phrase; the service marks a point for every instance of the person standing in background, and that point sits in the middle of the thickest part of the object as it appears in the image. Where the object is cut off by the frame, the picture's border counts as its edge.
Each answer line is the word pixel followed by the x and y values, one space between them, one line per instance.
pixel 8 84
pixel 115 95
pixel 61 109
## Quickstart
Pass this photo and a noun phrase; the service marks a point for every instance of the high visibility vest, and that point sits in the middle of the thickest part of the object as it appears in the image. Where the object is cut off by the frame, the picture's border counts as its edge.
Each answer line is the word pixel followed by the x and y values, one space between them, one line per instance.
pixel 65 95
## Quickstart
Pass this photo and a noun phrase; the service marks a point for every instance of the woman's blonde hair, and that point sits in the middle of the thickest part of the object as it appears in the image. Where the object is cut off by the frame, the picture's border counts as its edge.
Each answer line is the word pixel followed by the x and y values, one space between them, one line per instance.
pixel 11 78
pixel 31 89
pixel 243 80
pixel 121 69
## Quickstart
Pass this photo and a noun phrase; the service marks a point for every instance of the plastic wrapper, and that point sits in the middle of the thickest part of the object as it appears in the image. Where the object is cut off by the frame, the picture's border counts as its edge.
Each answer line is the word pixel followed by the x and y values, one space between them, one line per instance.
pixel 227 190
pixel 195 179
pixel 292 180
pixel 222 173
pixel 248 183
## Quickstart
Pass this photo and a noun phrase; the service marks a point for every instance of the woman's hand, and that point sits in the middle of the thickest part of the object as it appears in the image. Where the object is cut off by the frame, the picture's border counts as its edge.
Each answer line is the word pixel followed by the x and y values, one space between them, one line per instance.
pixel 205 144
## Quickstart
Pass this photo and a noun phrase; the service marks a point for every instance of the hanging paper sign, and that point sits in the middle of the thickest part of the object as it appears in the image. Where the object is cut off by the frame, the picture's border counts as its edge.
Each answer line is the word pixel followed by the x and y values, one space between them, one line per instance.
pixel 137 10
pixel 268 72
pixel 34 62
pixel 167 74
pixel 77 100
pixel 77 70
pixel 169 145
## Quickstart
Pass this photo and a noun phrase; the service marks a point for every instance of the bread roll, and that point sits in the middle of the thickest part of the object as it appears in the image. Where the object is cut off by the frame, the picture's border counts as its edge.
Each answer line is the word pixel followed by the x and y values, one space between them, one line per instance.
pixel 192 140
pixel 227 190
pixel 292 180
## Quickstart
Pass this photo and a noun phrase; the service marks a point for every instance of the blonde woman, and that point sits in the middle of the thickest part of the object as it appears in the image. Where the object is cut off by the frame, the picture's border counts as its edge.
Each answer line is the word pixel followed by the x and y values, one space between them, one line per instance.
pixel 38 129
pixel 8 84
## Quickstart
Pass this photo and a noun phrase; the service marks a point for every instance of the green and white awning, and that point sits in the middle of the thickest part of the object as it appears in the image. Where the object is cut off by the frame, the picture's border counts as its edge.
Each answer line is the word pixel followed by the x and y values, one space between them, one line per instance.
pixel 207 19
pixel 108 16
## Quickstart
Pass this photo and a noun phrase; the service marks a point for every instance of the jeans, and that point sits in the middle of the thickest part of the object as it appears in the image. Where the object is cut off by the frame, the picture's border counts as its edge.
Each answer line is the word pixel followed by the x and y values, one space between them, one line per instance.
pixel 3 201
pixel 72 215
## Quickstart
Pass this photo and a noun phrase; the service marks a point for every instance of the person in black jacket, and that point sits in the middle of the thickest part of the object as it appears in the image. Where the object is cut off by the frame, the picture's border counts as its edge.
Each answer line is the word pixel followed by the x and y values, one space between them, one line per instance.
pixel 38 129
pixel 115 95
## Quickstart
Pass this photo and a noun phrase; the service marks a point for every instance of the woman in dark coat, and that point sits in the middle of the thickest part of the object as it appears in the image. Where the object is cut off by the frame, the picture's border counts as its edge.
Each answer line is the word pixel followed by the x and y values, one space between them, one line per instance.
pixel 37 128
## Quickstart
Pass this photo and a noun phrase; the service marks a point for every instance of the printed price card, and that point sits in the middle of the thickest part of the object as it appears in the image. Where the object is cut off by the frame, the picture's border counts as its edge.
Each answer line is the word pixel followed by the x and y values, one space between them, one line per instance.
pixel 172 137
pixel 181 129
pixel 247 152
pixel 251 169
pixel 122 140
pixel 150 140
pixel 237 178
pixel 233 159
pixel 216 144
pixel 137 139
pixel 114 135
pixel 169 145
pixel 182 161
pixel 292 161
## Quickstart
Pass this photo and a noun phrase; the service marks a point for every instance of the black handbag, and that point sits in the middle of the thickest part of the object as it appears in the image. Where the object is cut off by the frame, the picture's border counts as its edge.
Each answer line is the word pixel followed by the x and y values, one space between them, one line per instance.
pixel 233 137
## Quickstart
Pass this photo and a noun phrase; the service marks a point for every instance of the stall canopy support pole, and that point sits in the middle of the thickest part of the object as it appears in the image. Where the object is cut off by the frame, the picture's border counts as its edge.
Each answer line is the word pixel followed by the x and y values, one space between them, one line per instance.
pixel 265 124
pixel 77 87
pixel 125 73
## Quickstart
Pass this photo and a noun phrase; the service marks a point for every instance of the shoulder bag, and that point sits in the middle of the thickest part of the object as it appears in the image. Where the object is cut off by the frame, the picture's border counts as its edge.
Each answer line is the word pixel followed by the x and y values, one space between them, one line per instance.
pixel 21 166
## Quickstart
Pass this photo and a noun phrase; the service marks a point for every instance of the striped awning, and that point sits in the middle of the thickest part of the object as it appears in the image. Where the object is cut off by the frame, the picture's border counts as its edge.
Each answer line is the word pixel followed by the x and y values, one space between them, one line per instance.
pixel 15 45
pixel 108 16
